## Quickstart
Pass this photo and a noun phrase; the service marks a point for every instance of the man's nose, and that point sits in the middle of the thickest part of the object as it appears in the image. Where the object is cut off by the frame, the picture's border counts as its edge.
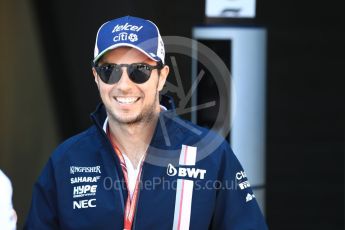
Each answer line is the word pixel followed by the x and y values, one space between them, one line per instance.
pixel 125 82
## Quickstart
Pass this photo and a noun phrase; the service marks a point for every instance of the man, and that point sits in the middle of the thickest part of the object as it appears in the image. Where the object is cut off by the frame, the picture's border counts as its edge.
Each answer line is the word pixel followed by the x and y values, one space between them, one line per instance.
pixel 140 166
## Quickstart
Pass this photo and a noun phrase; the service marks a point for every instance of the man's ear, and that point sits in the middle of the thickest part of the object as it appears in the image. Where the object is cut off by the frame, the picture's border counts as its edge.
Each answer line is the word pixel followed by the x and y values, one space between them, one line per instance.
pixel 162 77
pixel 95 75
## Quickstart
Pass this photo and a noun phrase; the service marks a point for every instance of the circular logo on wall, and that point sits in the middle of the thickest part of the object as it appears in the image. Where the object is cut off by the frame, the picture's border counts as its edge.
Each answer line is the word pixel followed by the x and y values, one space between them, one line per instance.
pixel 205 62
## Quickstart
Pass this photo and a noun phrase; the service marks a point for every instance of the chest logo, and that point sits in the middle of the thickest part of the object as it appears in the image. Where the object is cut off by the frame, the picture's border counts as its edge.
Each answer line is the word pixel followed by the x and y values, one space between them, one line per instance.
pixel 189 172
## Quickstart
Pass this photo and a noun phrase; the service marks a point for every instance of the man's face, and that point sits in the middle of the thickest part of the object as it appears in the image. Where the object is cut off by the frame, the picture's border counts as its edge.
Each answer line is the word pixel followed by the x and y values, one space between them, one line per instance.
pixel 125 101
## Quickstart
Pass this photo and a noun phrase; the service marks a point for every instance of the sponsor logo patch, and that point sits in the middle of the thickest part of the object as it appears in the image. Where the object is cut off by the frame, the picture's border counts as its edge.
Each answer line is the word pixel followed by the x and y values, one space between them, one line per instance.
pixel 77 169
pixel 244 185
pixel 80 204
pixel 126 26
pixel 249 197
pixel 85 179
pixel 125 36
pixel 82 191
pixel 241 175
pixel 186 172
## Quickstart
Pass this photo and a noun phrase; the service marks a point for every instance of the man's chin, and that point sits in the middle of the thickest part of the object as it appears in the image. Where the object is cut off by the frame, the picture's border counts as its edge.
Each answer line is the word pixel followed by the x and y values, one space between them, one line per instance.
pixel 133 117
pixel 127 120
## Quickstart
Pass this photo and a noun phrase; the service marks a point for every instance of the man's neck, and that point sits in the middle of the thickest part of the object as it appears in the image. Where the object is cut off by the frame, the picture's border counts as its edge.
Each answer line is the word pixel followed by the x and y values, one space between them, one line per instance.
pixel 133 139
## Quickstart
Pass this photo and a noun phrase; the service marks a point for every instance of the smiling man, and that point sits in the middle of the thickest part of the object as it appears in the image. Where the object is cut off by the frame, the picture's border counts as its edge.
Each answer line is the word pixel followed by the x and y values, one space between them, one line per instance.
pixel 132 108
pixel 140 166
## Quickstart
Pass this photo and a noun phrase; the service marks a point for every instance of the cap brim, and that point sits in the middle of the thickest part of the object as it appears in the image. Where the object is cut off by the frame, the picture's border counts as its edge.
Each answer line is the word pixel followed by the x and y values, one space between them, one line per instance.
pixel 125 45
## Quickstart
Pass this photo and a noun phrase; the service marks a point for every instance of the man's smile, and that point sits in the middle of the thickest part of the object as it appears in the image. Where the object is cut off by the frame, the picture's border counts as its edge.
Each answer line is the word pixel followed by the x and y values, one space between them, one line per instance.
pixel 126 100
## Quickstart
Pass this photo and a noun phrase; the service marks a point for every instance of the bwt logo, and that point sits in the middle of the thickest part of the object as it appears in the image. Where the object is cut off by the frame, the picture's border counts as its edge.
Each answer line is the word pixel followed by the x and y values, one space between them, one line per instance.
pixel 186 172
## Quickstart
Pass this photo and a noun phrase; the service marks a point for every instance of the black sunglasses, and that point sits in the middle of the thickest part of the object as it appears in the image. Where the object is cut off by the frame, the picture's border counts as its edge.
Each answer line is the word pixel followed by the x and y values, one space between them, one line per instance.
pixel 137 72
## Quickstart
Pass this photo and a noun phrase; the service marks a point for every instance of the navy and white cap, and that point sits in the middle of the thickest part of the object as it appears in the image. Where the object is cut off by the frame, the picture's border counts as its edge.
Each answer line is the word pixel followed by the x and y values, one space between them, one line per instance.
pixel 129 31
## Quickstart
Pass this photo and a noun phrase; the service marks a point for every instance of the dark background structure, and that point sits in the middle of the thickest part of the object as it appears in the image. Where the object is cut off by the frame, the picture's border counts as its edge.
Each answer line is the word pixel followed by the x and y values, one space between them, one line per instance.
pixel 305 93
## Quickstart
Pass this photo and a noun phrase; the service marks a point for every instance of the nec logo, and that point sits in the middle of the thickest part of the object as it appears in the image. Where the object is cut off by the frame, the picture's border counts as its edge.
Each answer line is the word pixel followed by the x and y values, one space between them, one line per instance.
pixel 186 172
pixel 84 204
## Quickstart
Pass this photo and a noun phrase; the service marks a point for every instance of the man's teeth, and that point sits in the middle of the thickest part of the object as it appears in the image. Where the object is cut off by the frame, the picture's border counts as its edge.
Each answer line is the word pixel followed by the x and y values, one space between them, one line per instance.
pixel 126 100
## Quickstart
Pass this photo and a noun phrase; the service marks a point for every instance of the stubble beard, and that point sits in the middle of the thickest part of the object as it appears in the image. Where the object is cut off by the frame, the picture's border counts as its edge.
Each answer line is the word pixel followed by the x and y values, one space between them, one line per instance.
pixel 145 116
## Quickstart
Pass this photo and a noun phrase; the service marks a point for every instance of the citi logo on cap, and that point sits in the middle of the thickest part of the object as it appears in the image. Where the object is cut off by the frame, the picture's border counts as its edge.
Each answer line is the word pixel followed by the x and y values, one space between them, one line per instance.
pixel 126 26
pixel 125 36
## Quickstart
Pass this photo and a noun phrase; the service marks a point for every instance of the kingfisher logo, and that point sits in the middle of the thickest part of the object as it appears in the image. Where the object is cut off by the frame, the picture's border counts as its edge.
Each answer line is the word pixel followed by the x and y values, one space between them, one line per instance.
pixel 76 169
pixel 186 172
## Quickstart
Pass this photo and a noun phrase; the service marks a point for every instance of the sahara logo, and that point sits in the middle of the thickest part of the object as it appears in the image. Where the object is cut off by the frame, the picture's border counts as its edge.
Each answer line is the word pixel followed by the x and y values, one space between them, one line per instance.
pixel 84 179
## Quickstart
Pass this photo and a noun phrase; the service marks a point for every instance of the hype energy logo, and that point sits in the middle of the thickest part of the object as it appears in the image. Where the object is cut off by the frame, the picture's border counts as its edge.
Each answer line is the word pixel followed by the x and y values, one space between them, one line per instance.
pixel 186 172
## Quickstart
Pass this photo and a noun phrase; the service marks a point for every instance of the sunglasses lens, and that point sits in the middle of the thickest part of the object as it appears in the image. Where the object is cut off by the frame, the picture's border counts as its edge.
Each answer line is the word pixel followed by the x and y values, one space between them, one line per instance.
pixel 110 74
pixel 139 73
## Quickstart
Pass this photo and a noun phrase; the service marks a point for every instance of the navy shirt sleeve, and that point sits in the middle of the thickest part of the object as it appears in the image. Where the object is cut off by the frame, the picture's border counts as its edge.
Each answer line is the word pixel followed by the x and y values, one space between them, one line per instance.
pixel 236 207
pixel 43 210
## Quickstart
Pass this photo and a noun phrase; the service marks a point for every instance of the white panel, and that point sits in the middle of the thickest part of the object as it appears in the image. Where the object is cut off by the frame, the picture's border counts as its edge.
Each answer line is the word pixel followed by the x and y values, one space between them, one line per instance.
pixel 183 203
pixel 233 8
pixel 187 155
pixel 248 95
